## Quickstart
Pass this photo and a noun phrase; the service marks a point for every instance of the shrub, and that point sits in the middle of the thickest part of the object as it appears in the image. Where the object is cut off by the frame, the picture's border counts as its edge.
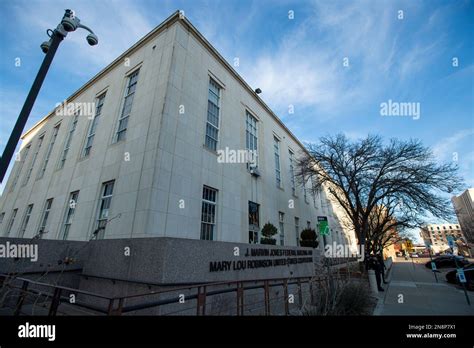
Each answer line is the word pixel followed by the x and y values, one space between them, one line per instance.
pixel 309 238
pixel 268 231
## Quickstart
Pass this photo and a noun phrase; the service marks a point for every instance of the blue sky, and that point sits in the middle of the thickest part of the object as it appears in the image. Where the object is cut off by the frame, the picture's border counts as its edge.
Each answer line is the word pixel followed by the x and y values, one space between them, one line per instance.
pixel 295 61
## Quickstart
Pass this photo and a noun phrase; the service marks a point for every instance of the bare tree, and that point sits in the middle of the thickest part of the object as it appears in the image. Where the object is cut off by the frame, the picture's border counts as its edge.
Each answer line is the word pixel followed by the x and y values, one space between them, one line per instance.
pixel 360 176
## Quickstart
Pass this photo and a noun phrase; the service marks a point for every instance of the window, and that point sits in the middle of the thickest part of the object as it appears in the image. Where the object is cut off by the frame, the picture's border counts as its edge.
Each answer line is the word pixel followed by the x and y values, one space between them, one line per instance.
pixel 297 230
pixel 48 151
pixel 208 213
pixel 25 221
pixel 305 193
pixel 251 139
pixel 2 216
pixel 67 144
pixel 44 219
pixel 11 222
pixel 292 172
pixel 93 125
pixel 35 156
pixel 71 208
pixel 281 219
pixel 213 110
pixel 254 222
pixel 127 105
pixel 23 157
pixel 308 224
pixel 104 207
pixel 276 149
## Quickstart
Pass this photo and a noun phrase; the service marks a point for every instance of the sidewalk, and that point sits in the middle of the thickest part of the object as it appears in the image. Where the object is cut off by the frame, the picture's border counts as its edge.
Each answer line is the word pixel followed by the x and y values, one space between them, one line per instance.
pixel 415 287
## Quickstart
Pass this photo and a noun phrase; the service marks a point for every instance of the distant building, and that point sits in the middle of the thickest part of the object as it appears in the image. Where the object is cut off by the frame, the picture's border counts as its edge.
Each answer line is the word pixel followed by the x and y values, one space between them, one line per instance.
pixel 464 207
pixel 436 235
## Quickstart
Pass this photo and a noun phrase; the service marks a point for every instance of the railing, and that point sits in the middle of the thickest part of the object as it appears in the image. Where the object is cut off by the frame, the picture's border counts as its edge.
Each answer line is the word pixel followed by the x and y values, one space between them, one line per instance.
pixel 199 295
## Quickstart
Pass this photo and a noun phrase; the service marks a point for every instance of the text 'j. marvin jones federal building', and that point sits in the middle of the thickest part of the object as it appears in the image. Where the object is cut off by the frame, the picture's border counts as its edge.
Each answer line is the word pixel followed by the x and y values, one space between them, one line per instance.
pixel 145 163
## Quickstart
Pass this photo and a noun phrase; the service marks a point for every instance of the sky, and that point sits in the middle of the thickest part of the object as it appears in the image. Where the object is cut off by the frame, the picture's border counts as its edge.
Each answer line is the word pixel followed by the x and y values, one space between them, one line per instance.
pixel 332 62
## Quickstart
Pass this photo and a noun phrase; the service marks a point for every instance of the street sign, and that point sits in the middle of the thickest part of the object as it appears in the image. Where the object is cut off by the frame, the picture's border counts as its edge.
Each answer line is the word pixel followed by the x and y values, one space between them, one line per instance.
pixel 461 276
pixel 433 266
pixel 323 225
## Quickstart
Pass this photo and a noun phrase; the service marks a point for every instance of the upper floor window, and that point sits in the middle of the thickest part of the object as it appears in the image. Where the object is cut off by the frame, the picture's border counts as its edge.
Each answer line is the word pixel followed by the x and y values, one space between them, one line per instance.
pixel 127 105
pixel 93 125
pixel 292 171
pixel 48 151
pixel 69 136
pixel 251 139
pixel 213 114
pixel 276 150
pixel 35 156
pixel 22 159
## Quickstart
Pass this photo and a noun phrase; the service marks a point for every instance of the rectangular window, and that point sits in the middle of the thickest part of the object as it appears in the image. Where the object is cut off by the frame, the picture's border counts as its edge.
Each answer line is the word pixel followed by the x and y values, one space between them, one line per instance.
pixel 93 125
pixel 308 224
pixel 71 208
pixel 292 172
pixel 22 158
pixel 213 110
pixel 297 230
pixel 251 140
pixel 104 209
pixel 281 220
pixel 276 149
pixel 35 156
pixel 208 213
pixel 25 221
pixel 127 105
pixel 2 216
pixel 305 193
pixel 254 222
pixel 48 151
pixel 69 136
pixel 11 222
pixel 44 219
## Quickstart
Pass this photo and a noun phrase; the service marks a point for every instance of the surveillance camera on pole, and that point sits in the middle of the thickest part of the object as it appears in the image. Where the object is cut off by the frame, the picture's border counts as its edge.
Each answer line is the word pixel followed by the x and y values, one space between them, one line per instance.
pixel 68 24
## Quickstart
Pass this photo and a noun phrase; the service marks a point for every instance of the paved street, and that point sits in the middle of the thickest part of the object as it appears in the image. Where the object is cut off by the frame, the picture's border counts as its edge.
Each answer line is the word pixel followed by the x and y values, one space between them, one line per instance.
pixel 421 294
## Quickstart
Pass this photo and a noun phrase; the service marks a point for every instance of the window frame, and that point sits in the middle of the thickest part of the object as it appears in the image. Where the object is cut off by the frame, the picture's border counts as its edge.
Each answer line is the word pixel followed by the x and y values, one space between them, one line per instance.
pixel 100 100
pixel 68 140
pixel 216 127
pixel 206 203
pixel 126 94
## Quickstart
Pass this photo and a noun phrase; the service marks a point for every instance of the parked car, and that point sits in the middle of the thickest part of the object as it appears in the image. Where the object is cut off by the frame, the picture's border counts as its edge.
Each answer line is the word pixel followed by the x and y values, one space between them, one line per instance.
pixel 452 276
pixel 414 255
pixel 447 261
pixel 399 253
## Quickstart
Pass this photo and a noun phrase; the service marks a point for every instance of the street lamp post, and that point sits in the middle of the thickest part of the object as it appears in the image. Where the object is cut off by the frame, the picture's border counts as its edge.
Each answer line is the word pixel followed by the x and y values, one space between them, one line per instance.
pixel 68 23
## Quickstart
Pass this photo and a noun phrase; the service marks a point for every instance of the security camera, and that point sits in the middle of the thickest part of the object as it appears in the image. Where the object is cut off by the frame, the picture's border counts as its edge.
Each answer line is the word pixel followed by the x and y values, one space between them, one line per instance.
pixel 92 39
pixel 70 21
pixel 45 46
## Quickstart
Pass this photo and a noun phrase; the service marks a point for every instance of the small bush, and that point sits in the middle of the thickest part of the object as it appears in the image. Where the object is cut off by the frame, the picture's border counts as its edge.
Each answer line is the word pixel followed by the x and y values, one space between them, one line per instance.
pixel 268 231
pixel 309 238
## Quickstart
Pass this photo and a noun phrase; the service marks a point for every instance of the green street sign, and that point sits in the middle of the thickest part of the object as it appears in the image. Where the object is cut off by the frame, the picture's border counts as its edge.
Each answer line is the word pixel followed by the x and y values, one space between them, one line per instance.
pixel 323 226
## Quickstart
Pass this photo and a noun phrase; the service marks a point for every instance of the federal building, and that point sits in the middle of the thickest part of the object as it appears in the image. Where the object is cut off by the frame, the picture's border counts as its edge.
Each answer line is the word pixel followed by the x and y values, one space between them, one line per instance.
pixel 143 161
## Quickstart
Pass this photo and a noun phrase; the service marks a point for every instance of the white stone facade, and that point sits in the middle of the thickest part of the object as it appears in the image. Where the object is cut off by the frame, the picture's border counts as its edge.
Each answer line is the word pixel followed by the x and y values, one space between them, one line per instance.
pixel 162 164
